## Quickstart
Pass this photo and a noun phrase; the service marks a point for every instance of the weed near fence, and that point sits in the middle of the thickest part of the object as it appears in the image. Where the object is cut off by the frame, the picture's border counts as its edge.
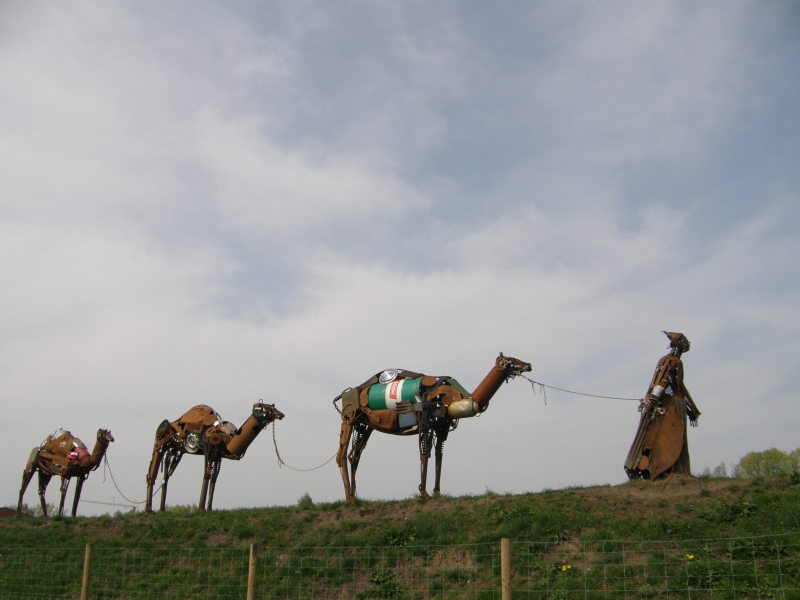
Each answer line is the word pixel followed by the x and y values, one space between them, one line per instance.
pixel 754 567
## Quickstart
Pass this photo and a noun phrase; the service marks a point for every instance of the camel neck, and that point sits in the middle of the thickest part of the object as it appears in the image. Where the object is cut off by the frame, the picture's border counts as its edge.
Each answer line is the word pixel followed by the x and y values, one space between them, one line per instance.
pixel 99 451
pixel 488 387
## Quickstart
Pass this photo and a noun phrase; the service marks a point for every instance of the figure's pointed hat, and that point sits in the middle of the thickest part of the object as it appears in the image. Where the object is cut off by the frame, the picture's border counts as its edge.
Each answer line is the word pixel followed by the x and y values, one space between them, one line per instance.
pixel 674 337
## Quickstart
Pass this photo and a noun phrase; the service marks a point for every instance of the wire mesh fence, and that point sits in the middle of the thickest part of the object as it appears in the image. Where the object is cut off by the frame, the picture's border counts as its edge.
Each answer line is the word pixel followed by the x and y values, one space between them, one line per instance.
pixel 753 567
pixel 740 568
pixel 378 572
pixel 124 573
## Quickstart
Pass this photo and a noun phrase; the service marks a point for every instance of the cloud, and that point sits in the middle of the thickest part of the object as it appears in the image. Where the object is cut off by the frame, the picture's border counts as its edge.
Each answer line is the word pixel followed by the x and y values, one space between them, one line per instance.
pixel 233 203
pixel 262 191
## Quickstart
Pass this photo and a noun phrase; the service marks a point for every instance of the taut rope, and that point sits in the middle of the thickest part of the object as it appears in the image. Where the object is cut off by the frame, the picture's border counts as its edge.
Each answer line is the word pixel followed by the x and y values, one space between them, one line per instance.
pixel 542 386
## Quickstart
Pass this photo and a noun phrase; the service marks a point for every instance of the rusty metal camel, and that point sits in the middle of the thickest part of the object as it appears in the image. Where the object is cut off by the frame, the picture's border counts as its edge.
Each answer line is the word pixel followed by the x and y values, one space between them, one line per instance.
pixel 64 455
pixel 403 402
pixel 202 430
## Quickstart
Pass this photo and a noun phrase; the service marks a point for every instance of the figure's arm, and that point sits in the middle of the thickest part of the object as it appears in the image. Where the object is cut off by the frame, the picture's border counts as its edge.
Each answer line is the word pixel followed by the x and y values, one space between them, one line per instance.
pixel 691 408
pixel 658 384
pixel 663 378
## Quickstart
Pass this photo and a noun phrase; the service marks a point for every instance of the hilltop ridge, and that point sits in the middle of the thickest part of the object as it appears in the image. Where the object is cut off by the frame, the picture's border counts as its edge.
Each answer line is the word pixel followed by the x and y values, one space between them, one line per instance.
pixel 676 508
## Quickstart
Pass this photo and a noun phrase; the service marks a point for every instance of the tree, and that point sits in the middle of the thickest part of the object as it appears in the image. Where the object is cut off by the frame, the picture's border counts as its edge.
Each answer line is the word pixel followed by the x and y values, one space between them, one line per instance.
pixel 719 472
pixel 769 463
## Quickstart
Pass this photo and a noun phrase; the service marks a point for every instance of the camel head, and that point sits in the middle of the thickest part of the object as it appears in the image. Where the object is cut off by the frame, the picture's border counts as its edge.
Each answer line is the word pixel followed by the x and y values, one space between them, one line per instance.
pixel 93 460
pixel 512 366
pixel 266 413
pixel 104 436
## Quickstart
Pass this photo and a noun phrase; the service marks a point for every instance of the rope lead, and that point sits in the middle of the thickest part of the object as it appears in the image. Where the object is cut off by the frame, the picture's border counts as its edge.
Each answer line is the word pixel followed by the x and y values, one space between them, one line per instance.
pixel 107 464
pixel 552 387
pixel 282 463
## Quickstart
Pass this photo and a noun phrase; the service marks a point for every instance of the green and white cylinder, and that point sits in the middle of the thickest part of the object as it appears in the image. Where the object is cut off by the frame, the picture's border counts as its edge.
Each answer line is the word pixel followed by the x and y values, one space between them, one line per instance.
pixel 383 396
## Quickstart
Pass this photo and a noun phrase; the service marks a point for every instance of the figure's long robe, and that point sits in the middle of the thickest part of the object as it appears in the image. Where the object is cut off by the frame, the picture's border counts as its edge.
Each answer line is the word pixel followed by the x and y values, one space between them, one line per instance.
pixel 661 446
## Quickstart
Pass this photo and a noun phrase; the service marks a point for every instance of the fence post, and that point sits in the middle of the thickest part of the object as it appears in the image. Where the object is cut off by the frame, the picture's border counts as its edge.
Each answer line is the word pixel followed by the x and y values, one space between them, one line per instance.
pixel 87 569
pixel 505 568
pixel 251 575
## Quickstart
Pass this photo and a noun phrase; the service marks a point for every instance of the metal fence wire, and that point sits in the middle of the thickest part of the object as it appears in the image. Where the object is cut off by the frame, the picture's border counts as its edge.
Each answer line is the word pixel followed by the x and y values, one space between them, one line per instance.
pixel 738 568
pixel 752 567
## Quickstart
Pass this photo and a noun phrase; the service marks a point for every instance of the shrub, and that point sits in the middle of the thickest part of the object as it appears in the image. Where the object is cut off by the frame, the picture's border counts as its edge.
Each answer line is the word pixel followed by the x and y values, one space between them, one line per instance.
pixel 305 502
pixel 36 510
pixel 769 463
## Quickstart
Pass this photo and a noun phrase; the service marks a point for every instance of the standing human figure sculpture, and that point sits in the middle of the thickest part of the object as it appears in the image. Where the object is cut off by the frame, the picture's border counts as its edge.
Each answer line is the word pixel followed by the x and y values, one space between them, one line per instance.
pixel 661 447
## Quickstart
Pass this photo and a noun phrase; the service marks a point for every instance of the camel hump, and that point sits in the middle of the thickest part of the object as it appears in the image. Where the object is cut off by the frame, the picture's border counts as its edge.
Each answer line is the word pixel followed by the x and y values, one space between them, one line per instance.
pixel 62 442
pixel 199 415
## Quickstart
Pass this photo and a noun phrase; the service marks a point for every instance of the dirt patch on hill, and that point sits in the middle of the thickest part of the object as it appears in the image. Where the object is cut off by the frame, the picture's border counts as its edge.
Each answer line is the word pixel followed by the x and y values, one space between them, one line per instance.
pixel 620 499
pixel 673 490
pixel 395 512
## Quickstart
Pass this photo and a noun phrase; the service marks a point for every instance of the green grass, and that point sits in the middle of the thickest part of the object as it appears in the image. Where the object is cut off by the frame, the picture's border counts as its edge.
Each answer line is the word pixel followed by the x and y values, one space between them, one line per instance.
pixel 328 545
pixel 703 509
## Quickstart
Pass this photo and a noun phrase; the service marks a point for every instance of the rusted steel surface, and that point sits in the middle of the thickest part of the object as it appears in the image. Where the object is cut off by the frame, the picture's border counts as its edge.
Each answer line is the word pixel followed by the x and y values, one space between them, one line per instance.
pixel 494 379
pixel 63 455
pixel 401 402
pixel 660 446
pixel 202 431
pixel 667 446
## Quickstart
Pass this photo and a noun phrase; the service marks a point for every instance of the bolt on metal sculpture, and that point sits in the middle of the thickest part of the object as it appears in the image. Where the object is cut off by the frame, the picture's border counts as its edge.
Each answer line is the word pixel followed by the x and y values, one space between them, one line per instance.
pixel 64 455
pixel 403 402
pixel 201 430
pixel 661 447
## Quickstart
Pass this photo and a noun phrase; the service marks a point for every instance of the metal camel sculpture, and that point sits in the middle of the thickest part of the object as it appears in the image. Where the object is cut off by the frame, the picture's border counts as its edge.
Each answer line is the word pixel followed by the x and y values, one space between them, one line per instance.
pixel 403 402
pixel 64 455
pixel 201 430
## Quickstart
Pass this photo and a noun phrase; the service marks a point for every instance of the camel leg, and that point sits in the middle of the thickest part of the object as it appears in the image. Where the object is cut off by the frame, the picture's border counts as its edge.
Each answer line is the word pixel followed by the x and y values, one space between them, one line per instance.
pixel 155 466
pixel 204 489
pixel 341 458
pixel 215 473
pixel 441 438
pixel 171 459
pixel 425 438
pixel 162 505
pixel 163 437
pixel 44 480
pixel 27 475
pixel 78 488
pixel 64 488
pixel 363 432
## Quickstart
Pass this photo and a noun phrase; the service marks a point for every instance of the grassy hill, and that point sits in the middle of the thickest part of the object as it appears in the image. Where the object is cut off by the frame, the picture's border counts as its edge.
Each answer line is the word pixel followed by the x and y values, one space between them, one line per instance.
pixel 597 542
pixel 679 508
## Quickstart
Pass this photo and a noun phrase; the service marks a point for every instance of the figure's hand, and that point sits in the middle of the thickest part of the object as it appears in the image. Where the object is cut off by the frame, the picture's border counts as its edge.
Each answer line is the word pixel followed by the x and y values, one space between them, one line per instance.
pixel 404 407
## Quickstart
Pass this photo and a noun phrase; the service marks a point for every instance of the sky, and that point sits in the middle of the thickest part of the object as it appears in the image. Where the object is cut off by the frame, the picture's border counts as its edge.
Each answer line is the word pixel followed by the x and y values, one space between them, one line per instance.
pixel 216 203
